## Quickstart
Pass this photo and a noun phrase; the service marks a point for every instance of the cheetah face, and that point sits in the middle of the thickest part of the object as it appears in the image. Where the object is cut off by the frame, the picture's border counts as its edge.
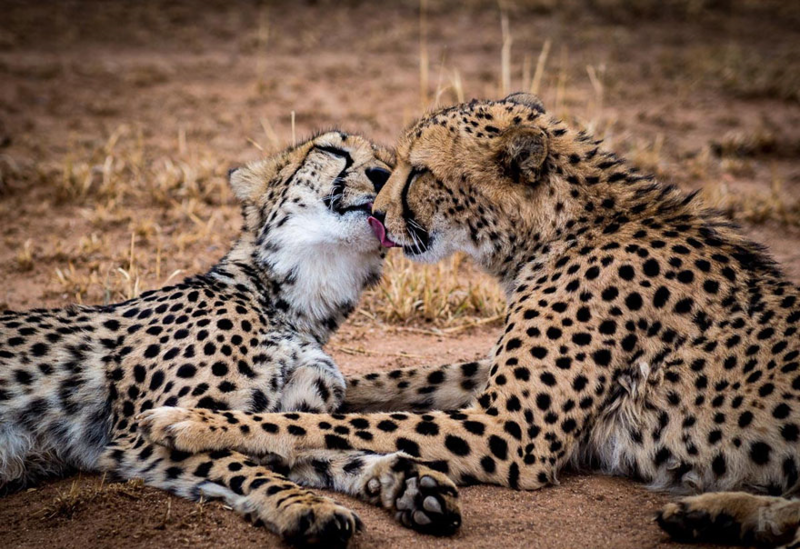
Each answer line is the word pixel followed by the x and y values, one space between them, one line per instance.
pixel 316 194
pixel 462 170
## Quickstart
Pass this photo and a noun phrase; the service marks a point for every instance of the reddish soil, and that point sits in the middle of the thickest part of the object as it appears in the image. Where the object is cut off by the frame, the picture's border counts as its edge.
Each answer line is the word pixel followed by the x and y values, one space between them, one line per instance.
pixel 99 100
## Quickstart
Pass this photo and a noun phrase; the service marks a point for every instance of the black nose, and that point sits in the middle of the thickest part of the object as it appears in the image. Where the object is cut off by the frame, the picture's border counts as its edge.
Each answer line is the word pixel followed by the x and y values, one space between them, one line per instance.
pixel 379 177
pixel 380 216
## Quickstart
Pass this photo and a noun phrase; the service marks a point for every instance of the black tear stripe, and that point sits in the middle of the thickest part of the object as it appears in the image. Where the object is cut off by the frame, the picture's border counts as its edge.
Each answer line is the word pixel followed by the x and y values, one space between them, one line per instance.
pixel 422 236
pixel 338 182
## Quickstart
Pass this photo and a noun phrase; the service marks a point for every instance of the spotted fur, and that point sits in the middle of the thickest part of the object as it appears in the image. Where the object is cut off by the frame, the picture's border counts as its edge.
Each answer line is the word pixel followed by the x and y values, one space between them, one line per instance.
pixel 644 335
pixel 247 335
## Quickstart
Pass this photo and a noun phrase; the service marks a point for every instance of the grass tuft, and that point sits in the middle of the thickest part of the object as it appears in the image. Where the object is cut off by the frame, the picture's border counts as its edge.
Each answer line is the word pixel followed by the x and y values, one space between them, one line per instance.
pixel 448 294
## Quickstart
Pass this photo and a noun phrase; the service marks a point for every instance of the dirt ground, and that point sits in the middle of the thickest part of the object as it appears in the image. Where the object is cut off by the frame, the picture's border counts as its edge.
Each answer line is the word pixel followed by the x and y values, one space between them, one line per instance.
pixel 118 121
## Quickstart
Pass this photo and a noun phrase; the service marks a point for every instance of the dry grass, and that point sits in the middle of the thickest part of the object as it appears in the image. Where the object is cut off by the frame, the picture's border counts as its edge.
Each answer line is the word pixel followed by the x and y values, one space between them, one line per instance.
pixel 447 294
pixel 69 504
pixel 155 207
pixel 755 207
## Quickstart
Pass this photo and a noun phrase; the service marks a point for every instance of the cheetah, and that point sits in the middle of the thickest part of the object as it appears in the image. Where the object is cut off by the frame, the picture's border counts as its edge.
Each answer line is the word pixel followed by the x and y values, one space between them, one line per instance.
pixel 248 335
pixel 644 336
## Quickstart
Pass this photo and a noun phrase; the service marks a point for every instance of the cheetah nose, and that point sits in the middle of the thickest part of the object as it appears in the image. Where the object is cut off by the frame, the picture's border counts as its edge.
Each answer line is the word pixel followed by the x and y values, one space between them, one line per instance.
pixel 380 216
pixel 378 177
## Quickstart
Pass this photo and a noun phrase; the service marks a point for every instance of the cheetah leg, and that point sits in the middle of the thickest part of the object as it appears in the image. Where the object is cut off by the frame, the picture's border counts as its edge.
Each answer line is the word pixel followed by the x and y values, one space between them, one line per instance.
pixel 316 385
pixel 735 518
pixel 469 445
pixel 447 387
pixel 418 496
pixel 296 514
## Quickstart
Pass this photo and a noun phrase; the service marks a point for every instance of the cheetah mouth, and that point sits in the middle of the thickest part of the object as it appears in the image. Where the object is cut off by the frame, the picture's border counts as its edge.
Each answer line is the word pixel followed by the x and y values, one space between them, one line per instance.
pixel 380 232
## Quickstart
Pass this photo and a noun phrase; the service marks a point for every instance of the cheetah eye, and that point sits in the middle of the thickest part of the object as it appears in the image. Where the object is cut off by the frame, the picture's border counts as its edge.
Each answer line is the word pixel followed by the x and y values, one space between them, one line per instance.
pixel 335 151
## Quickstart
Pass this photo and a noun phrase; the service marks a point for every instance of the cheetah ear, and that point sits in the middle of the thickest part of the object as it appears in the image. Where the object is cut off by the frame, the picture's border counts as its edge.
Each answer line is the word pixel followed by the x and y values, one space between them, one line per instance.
pixel 243 184
pixel 523 151
pixel 527 99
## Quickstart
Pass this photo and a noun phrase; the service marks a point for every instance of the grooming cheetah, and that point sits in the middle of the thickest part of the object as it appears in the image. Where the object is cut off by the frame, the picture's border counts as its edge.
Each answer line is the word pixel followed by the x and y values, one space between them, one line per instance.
pixel 644 335
pixel 247 335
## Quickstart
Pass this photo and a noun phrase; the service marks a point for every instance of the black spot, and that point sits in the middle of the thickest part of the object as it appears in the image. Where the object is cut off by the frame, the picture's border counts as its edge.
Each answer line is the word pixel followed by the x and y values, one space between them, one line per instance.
pixel 760 453
pixel 661 297
pixel 781 411
pixel 662 456
pixel 387 426
pixel 427 428
pixel 626 272
pixel 498 447
pixel 512 344
pixel 711 286
pixel 235 484
pixel 152 351
pixel 684 306
pixel 608 327
pixel 436 377
pixel 633 301
pixel 139 373
pixel 203 469
pixel 474 427
pixel 335 442
pixel 789 432
pixel 513 476
pixel 610 294
pixel 553 333
pixel 39 349
pixel 719 466
pixel 408 446
pixel 219 369
pixel 224 324
pixel 513 429
pixel 581 338
pixel 745 419
pixel 156 380
pixel 543 401
pixel 539 352
pixel 457 445
pixel 651 267
pixel 602 357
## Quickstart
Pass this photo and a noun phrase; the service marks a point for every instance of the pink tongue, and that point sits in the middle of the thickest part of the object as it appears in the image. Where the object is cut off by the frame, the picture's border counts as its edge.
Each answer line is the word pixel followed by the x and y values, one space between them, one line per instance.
pixel 380 232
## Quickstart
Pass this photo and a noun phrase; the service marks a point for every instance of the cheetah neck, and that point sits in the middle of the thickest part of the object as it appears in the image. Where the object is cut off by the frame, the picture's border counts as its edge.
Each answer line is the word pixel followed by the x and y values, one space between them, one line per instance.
pixel 313 288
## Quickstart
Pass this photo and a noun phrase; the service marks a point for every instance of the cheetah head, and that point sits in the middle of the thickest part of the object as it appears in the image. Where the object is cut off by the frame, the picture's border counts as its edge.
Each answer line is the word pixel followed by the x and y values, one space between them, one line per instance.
pixel 314 196
pixel 470 175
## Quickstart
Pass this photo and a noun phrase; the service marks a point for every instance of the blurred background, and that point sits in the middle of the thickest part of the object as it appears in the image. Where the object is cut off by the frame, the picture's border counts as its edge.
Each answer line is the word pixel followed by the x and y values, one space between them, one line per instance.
pixel 119 120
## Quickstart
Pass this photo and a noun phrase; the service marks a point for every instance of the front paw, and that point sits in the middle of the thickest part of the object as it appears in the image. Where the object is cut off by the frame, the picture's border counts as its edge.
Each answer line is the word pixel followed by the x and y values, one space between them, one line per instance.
pixel 421 498
pixel 319 523
pixel 731 518
pixel 181 429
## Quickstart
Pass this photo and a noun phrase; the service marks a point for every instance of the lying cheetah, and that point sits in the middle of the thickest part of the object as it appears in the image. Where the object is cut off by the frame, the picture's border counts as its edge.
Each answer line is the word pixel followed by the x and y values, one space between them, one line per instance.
pixel 247 335
pixel 644 335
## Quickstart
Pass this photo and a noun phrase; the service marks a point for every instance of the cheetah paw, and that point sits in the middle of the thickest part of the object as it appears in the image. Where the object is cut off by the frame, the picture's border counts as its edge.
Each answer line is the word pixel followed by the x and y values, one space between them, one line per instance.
pixel 422 499
pixel 326 524
pixel 309 520
pixel 182 429
pixel 730 518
